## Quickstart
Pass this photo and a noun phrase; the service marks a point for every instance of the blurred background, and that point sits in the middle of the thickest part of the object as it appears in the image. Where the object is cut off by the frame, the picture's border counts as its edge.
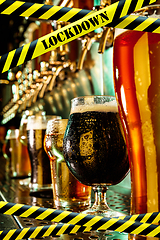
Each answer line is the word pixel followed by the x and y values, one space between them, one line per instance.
pixel 48 82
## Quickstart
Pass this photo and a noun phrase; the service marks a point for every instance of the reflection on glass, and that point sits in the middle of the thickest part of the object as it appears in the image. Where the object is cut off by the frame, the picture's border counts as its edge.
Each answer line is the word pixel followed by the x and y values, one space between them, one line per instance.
pixel 95 148
pixel 67 191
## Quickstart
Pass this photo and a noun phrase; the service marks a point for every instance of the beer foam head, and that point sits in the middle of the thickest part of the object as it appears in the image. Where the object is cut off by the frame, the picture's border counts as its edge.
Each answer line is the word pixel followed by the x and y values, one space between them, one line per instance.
pixel 91 106
pixel 57 126
pixel 12 133
pixel 39 122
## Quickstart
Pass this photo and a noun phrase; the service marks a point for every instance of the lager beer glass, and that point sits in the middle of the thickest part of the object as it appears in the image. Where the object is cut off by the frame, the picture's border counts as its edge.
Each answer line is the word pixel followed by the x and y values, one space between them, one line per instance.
pixel 19 162
pixel 68 192
pixel 41 184
pixel 95 148
pixel 137 84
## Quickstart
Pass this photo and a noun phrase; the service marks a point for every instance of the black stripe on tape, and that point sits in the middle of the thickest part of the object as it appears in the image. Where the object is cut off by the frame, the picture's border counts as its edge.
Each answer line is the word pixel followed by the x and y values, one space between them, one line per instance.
pixel 145 3
pixel 8 205
pixel 5 5
pixel 21 9
pixel 56 229
pixel 41 11
pixel 20 211
pixel 15 234
pixel 31 50
pixel 136 23
pixel 36 213
pixel 2 62
pixel 60 13
pixel 52 215
pixel 99 223
pixel 73 215
pixel 16 57
pixel 79 15
pixel 30 231
pixel 157 235
pixel 116 22
pixel 138 218
pixel 42 231
pixel 69 229
pixel 152 217
pixel 84 220
pixel 132 6
pixel 131 228
pixel 153 26
pixel 148 230
pixel 118 10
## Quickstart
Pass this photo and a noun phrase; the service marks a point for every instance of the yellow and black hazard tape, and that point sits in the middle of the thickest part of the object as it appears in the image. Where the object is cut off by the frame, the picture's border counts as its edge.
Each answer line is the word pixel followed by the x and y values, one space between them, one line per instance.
pixel 112 224
pixel 59 13
pixel 42 231
pixel 70 32
pixel 76 222
pixel 55 215
pixel 41 11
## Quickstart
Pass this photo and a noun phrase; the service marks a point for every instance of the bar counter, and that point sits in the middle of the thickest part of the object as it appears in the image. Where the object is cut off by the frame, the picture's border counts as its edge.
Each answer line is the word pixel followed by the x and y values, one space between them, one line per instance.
pixel 17 191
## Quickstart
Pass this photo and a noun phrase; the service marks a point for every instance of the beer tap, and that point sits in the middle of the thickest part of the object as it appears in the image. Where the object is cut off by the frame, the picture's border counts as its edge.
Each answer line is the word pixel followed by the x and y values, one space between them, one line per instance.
pixel 11 78
pixel 10 110
pixel 104 37
pixel 46 75
pixel 38 84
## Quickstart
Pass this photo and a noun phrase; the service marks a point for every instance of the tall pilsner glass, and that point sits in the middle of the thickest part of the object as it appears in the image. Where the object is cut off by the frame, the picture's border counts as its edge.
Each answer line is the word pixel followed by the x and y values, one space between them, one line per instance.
pixel 41 183
pixel 137 85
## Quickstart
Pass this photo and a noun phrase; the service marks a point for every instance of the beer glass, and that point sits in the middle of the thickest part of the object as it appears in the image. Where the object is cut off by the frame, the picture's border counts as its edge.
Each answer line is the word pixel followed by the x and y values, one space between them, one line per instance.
pixel 136 64
pixel 95 148
pixel 68 192
pixel 19 162
pixel 41 184
pixel 23 124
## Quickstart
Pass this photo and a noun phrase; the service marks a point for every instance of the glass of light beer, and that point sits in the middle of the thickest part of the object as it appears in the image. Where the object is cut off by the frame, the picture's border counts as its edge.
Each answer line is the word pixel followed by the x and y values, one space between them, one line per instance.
pixel 68 192
pixel 19 162
pixel 137 84
pixel 41 184
pixel 95 149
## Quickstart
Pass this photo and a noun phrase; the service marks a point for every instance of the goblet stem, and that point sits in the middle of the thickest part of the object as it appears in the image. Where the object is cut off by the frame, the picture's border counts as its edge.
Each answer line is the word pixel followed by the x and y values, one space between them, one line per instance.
pixel 100 203
pixel 100 206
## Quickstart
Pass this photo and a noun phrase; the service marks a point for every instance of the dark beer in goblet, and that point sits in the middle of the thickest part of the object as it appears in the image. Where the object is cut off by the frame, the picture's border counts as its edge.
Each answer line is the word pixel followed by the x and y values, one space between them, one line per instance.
pixel 95 148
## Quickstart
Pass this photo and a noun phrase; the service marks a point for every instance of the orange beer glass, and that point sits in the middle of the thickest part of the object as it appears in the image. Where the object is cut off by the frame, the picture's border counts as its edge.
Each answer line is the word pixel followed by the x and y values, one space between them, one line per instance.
pixel 136 64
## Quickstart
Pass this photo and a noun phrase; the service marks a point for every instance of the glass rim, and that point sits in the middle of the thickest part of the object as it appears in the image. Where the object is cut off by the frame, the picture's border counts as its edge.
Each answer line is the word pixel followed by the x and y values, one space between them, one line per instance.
pixel 44 116
pixel 93 96
pixel 57 120
pixel 56 125
pixel 12 133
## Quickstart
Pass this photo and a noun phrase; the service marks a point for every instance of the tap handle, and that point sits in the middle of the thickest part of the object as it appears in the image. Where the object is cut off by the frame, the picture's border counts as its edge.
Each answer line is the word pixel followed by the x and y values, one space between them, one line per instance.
pixel 87 42
pixel 45 84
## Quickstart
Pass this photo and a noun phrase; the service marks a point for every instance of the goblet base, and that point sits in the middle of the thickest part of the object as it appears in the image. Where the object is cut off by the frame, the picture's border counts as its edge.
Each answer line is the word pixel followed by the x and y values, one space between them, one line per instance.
pixel 109 213
pixel 100 206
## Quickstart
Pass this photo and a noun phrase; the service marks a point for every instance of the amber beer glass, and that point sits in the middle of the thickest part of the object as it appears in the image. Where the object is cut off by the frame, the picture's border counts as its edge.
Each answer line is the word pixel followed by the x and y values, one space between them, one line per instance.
pixel 68 192
pixel 137 85
pixel 16 152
